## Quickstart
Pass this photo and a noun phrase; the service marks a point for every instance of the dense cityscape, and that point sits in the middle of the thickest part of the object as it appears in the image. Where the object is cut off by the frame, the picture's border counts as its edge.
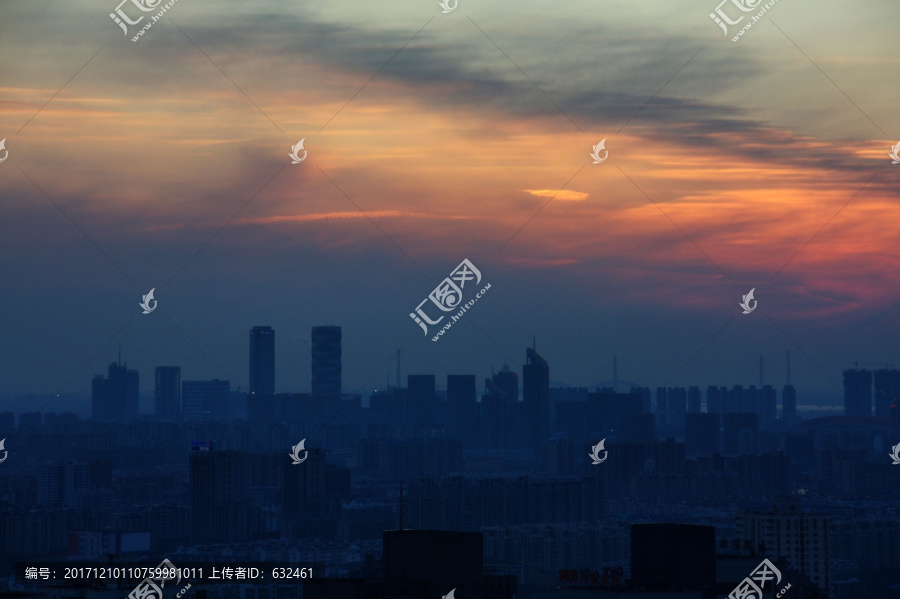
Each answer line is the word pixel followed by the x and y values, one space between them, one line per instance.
pixel 687 493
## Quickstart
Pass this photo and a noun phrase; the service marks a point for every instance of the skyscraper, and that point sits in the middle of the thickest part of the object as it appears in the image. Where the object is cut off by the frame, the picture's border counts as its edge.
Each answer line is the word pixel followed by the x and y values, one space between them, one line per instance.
pixel 421 397
pixel 789 403
pixel 167 396
pixel 200 399
pixel 326 361
pixel 858 393
pixel 693 400
pixel 536 396
pixel 262 361
pixel 462 398
pixel 115 397
pixel 887 391
pixel 701 434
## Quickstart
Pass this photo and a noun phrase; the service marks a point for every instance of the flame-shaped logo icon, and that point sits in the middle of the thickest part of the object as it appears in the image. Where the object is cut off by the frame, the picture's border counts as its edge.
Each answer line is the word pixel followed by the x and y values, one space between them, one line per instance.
pixel 6 152
pixel 295 152
pixel 295 452
pixel 746 303
pixel 895 153
pixel 3 449
pixel 146 303
pixel 596 153
pixel 894 456
pixel 448 7
pixel 450 594
pixel 595 453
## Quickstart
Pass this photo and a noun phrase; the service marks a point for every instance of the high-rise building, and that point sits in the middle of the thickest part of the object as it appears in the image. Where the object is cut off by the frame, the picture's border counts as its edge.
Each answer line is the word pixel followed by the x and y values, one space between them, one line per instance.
pixel 668 557
pixel 462 399
pixel 677 400
pixel 715 399
pixel 200 399
pixel 887 391
pixel 508 381
pixel 789 404
pixel 701 433
pixel 693 400
pixel 326 361
pixel 662 402
pixel 803 540
pixel 536 397
pixel 262 361
pixel 767 406
pixel 422 397
pixel 59 483
pixel 858 393
pixel 116 397
pixel 167 389
pixel 741 432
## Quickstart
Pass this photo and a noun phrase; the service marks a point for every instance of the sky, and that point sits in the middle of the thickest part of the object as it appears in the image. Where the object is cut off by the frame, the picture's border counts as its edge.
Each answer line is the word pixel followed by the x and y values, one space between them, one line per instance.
pixel 433 138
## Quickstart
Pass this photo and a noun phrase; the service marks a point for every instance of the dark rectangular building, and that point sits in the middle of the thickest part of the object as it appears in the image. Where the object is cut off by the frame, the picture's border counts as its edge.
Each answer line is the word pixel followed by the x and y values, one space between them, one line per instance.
pixel 262 361
pixel 670 557
pixel 326 361
pixel 167 393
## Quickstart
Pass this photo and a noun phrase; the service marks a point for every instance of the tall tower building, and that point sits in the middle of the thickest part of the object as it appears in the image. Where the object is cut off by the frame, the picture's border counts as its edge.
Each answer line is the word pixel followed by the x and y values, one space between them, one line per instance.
pixel 262 361
pixel 116 397
pixel 789 404
pixel 802 539
pixel 887 392
pixel 508 381
pixel 858 393
pixel 167 395
pixel 201 399
pixel 693 400
pixel 536 396
pixel 462 397
pixel 326 361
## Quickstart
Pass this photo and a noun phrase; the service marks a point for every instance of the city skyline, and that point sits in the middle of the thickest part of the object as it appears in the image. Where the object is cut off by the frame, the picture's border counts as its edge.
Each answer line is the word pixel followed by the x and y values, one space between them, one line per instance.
pixel 470 144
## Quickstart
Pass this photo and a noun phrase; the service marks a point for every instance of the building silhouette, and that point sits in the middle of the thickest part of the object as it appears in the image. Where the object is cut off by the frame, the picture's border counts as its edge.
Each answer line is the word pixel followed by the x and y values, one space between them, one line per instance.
pixel 262 360
pixel 167 393
pixel 536 397
pixel 115 398
pixel 326 361
pixel 858 393
pixel 674 557
pixel 803 540
pixel 462 401
pixel 887 391
pixel 702 434
pixel 200 399
pixel 789 404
